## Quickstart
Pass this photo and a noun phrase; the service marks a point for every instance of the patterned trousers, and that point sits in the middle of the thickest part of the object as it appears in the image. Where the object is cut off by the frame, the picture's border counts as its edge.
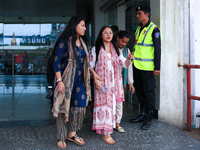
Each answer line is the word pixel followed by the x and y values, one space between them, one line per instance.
pixel 77 116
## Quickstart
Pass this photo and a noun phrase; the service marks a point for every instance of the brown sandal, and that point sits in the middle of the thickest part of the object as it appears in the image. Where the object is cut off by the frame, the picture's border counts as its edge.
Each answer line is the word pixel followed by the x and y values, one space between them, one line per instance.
pixel 61 144
pixel 107 139
pixel 73 139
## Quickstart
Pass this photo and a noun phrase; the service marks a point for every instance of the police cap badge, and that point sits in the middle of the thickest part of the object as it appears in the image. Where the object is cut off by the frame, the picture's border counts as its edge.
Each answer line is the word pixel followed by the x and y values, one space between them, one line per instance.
pixel 144 8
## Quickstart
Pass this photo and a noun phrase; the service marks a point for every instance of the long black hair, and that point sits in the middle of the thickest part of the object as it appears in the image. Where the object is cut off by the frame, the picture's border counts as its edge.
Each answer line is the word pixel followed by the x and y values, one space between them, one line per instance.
pixel 70 30
pixel 99 42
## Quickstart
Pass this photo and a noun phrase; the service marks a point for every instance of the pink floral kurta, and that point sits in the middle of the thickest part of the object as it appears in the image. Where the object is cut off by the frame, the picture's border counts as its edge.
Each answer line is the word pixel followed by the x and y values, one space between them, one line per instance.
pixel 105 104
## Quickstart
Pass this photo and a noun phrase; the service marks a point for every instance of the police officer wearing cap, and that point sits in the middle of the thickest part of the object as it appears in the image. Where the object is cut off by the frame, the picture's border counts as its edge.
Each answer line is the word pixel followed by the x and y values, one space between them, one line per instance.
pixel 147 52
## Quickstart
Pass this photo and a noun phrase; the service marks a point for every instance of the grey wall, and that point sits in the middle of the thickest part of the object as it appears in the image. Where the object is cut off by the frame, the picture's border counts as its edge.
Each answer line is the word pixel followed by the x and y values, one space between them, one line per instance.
pixel 174 33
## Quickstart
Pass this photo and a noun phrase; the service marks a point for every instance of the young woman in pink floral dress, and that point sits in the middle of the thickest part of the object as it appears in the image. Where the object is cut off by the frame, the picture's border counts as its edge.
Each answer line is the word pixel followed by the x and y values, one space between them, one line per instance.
pixel 106 59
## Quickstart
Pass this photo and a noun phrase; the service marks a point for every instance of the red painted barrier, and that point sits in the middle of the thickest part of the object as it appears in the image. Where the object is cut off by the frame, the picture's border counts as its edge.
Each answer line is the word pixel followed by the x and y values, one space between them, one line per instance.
pixel 189 96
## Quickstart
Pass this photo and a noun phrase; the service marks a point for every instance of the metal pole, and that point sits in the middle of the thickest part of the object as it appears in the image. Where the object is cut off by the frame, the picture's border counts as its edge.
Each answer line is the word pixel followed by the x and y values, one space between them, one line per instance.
pixel 192 66
pixel 13 77
pixel 194 97
pixel 188 100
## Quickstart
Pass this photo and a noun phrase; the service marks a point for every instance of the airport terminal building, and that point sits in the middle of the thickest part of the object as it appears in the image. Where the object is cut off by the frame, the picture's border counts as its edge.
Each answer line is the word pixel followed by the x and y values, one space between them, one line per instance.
pixel 32 27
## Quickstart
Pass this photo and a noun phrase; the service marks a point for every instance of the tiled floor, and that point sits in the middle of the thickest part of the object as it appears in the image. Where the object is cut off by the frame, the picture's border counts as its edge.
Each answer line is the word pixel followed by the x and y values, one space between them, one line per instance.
pixel 29 100
pixel 28 103
pixel 29 109
pixel 36 135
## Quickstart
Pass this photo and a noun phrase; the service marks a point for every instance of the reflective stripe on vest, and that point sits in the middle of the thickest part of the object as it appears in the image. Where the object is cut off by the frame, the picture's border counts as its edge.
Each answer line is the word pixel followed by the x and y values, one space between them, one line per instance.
pixel 141 59
pixel 142 44
pixel 136 32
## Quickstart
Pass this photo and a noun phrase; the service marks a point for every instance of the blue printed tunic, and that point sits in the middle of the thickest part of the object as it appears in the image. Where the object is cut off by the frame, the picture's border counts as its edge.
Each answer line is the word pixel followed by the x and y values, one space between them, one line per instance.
pixel 78 98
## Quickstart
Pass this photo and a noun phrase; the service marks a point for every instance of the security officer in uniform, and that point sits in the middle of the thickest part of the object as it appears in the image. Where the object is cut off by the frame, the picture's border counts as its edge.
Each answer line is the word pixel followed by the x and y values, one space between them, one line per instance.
pixel 147 52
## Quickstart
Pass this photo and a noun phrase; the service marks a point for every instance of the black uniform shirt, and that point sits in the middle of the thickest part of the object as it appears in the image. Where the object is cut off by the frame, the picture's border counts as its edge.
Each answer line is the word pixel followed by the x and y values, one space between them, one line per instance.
pixel 157 45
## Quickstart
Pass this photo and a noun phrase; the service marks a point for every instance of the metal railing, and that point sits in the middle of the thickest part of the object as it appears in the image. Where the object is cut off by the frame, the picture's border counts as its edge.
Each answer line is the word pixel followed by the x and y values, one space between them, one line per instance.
pixel 189 96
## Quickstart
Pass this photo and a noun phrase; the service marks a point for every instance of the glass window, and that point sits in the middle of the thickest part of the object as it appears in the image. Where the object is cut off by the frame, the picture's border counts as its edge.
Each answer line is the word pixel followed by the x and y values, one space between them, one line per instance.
pixel 111 17
pixel 131 19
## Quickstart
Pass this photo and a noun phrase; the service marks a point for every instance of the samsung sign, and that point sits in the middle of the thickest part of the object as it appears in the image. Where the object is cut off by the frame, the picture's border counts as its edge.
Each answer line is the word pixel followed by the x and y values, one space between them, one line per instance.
pixel 33 40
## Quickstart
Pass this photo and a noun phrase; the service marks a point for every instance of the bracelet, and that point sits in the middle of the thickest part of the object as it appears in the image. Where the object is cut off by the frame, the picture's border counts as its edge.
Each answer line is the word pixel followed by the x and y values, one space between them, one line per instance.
pixel 59 80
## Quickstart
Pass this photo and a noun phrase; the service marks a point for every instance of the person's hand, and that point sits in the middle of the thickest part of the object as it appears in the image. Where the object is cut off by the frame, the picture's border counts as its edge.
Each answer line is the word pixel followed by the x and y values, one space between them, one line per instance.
pixel 98 84
pixel 131 88
pixel 61 87
pixel 66 119
pixel 156 72
pixel 95 77
pixel 130 56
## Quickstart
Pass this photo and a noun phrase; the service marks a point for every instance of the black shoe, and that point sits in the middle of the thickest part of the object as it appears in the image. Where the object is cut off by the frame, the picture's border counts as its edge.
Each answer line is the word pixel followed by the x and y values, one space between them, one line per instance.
pixel 148 121
pixel 145 126
pixel 139 118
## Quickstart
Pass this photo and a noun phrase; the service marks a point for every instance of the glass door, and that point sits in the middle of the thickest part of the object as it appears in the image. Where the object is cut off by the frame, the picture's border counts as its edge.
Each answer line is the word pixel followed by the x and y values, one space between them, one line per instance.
pixel 27 38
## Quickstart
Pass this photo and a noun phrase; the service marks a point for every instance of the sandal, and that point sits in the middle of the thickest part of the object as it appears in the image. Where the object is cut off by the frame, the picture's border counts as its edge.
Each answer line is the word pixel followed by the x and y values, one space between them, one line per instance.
pixel 78 141
pixel 120 129
pixel 108 139
pixel 61 144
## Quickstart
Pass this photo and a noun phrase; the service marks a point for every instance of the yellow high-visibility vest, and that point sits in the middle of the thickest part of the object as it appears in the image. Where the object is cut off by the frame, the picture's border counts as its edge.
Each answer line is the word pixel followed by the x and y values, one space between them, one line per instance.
pixel 144 48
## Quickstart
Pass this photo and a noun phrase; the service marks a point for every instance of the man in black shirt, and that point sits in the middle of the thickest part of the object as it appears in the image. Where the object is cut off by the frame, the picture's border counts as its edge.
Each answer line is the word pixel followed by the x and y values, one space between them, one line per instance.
pixel 147 52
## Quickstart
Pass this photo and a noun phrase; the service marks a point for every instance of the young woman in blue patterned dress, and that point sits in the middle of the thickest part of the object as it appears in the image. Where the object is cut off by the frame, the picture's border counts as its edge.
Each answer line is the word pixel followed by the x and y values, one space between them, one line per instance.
pixel 71 90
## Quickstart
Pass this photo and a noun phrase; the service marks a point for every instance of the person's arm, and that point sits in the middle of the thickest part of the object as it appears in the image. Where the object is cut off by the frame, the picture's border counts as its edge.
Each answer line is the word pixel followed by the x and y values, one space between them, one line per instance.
pixel 95 77
pixel 60 49
pixel 61 86
pixel 130 76
pixel 157 50
pixel 130 71
pixel 125 62
pixel 94 74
